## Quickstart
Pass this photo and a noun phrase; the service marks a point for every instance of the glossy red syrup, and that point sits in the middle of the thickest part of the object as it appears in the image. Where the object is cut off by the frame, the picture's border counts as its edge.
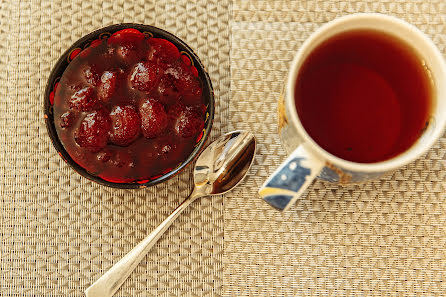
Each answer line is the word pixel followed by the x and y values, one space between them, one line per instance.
pixel 129 108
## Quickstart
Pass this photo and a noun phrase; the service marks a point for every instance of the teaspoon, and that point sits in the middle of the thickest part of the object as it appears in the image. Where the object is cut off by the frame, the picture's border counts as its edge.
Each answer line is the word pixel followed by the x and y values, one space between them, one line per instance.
pixel 219 168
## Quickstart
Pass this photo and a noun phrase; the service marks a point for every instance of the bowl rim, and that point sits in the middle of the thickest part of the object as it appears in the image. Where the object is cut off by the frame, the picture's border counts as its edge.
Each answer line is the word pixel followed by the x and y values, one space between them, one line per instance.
pixel 63 62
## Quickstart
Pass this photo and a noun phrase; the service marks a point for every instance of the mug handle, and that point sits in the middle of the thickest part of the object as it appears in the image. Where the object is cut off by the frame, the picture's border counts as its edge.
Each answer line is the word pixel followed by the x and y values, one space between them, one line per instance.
pixel 291 179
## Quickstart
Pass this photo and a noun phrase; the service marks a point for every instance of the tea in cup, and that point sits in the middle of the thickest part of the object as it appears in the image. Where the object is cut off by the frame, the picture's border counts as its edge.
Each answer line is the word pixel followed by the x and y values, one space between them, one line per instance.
pixel 365 94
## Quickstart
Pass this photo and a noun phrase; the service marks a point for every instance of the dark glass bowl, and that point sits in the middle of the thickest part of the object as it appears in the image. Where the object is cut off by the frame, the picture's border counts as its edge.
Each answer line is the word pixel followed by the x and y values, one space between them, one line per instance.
pixel 105 32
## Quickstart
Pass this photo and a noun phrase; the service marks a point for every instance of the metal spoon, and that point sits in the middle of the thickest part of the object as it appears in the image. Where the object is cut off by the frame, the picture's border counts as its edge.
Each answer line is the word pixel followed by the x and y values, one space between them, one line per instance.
pixel 219 168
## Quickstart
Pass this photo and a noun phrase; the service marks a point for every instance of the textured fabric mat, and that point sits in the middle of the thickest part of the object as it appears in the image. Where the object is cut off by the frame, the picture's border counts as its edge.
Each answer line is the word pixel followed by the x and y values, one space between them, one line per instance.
pixel 384 238
pixel 58 231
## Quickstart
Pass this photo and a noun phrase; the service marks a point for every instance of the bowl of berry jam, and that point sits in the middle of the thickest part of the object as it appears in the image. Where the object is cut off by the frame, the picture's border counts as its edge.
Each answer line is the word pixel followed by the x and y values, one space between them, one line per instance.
pixel 129 106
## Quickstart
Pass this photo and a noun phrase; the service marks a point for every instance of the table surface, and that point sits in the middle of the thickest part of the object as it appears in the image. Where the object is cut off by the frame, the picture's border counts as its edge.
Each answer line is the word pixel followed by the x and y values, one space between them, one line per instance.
pixel 59 232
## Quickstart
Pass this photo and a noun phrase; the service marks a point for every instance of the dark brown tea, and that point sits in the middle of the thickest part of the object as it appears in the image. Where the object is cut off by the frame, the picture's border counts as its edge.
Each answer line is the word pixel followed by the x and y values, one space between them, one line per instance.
pixel 363 96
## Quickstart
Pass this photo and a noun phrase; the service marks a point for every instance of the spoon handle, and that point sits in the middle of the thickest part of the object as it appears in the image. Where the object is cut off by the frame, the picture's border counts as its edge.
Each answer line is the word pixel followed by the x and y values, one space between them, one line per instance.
pixel 112 280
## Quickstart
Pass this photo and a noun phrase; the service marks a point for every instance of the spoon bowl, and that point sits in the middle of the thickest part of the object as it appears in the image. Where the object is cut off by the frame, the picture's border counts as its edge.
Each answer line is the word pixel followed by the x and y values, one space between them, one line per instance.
pixel 224 163
pixel 219 168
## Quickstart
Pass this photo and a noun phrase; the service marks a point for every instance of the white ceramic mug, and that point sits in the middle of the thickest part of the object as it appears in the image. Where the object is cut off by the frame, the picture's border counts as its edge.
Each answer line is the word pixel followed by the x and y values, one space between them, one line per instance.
pixel 307 160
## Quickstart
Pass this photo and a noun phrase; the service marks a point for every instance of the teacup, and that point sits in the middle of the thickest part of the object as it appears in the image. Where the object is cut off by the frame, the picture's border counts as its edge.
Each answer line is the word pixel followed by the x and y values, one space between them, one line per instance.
pixel 307 159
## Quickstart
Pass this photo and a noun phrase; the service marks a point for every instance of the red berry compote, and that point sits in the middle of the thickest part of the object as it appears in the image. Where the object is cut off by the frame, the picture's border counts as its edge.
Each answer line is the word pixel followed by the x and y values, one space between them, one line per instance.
pixel 129 107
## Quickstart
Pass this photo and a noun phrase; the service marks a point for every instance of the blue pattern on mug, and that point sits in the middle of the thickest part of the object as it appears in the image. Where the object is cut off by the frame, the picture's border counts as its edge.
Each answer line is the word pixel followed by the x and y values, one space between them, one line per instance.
pixel 329 175
pixel 288 182
pixel 291 177
pixel 279 201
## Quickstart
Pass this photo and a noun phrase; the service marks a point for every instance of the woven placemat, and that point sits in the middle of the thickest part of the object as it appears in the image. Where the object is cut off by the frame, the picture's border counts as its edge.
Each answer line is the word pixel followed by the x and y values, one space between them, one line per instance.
pixel 383 238
pixel 58 231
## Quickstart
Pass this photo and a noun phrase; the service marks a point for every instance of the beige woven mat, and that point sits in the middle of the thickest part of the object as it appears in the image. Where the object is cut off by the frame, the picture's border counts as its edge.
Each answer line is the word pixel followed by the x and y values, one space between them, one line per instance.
pixel 385 238
pixel 58 231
